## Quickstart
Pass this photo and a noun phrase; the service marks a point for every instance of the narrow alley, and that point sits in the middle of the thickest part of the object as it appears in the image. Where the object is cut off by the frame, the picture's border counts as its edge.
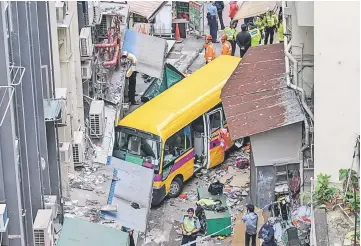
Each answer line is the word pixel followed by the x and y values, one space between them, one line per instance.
pixel 165 123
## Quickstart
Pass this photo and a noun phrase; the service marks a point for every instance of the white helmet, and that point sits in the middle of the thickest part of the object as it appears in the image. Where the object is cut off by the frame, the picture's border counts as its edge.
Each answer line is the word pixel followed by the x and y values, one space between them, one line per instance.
pixel 125 54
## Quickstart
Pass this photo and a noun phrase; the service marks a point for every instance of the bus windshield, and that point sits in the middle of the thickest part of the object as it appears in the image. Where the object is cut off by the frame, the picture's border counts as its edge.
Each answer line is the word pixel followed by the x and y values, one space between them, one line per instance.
pixel 136 143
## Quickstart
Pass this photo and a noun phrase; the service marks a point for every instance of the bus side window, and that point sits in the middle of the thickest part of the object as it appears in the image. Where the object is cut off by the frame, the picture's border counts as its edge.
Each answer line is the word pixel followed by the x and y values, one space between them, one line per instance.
pixel 215 121
pixel 176 146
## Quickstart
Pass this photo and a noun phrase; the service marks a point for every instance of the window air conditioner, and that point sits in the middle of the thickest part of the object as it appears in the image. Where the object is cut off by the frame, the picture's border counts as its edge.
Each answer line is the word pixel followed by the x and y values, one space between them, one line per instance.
pixel 96 118
pixel 43 228
pixel 60 7
pixel 86 44
pixel 3 218
pixel 61 94
pixel 78 148
pixel 86 70
pixel 51 203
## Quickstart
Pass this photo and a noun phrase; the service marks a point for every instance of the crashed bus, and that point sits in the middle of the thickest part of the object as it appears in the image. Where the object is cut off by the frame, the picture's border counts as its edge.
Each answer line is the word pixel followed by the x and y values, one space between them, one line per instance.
pixel 180 131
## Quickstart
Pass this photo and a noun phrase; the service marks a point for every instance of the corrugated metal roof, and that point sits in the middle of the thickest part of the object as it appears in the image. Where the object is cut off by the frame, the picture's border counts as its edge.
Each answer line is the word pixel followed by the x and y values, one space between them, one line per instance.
pixel 256 97
pixel 254 8
pixel 145 8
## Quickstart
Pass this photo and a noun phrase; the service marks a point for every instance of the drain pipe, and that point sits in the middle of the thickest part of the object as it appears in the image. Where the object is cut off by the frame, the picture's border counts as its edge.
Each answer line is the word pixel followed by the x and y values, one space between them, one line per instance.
pixel 288 57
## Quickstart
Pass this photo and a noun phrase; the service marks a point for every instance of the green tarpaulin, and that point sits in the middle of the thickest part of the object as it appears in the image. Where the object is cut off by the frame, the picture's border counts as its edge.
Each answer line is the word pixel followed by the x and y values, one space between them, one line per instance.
pixel 171 76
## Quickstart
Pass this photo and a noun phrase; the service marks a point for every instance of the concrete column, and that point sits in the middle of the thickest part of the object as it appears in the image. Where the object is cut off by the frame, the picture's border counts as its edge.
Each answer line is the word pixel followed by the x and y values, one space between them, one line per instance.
pixel 30 108
pixel 38 92
pixel 21 131
pixel 10 168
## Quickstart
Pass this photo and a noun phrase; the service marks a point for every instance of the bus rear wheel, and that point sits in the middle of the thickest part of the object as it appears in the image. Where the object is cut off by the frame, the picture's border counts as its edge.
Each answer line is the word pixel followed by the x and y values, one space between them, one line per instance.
pixel 175 187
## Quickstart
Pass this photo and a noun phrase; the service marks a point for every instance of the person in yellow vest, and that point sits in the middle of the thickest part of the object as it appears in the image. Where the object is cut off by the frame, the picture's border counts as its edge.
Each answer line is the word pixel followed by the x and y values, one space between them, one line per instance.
pixel 255 34
pixel 210 53
pixel 226 46
pixel 280 32
pixel 259 24
pixel 231 33
pixel 270 22
pixel 190 227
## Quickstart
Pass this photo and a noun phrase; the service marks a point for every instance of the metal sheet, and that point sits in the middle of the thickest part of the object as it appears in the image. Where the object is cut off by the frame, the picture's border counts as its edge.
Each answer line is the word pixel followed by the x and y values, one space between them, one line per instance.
pixel 150 52
pixel 256 97
pixel 134 184
pixel 254 8
pixel 79 232
pixel 146 9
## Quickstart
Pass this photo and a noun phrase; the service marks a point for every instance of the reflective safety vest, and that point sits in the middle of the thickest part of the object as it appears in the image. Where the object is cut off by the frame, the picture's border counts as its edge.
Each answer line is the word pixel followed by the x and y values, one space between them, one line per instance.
pixel 255 36
pixel 280 32
pixel 189 224
pixel 209 53
pixel 226 48
pixel 269 20
pixel 231 33
pixel 259 24
pixel 275 18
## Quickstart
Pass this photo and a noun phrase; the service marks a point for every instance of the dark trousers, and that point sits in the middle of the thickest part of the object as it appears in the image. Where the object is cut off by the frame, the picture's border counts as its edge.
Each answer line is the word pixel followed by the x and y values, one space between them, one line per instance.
pixel 248 239
pixel 233 44
pixel 262 36
pixel 269 32
pixel 242 52
pixel 220 17
pixel 131 87
pixel 131 240
pixel 213 26
pixel 188 239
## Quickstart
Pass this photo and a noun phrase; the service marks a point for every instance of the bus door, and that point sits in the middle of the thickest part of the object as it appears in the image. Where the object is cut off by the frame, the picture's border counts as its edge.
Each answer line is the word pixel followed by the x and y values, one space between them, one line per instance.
pixel 214 125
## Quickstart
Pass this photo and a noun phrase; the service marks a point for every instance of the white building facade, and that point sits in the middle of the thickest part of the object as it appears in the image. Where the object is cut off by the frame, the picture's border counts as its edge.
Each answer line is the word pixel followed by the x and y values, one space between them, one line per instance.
pixel 327 51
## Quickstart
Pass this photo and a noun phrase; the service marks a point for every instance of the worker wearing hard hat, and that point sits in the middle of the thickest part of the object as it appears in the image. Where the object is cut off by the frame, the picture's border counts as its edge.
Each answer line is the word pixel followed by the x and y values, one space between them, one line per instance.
pixel 255 34
pixel 280 31
pixel 231 33
pixel 226 46
pixel 131 75
pixel 210 53
pixel 270 21
pixel 259 24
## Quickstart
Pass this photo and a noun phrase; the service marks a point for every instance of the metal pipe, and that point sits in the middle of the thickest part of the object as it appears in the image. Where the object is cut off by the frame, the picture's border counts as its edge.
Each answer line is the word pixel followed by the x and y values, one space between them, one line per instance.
pixel 108 45
pixel 288 56
pixel 114 60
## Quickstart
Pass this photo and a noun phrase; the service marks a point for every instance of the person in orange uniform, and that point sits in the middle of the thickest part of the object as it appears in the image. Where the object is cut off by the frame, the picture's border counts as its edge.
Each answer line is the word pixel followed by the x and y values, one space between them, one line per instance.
pixel 226 46
pixel 210 53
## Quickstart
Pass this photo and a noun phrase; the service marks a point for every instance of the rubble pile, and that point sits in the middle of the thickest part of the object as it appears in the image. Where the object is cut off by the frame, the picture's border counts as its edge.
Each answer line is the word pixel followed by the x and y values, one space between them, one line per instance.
pixel 235 180
pixel 87 192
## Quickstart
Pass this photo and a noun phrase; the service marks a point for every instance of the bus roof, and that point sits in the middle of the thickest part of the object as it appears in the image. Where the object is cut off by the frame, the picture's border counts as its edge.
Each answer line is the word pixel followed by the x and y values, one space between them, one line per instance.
pixel 185 101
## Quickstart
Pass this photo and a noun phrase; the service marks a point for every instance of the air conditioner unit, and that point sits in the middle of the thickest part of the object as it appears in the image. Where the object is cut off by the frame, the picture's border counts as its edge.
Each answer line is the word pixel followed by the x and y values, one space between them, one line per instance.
pixel 60 7
pixel 66 157
pixel 78 148
pixel 86 70
pixel 3 218
pixel 96 118
pixel 86 44
pixel 61 94
pixel 43 228
pixel 51 203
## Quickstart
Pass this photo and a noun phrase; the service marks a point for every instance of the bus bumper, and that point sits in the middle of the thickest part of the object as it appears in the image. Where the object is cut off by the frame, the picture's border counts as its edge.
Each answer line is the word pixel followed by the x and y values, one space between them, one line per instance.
pixel 158 195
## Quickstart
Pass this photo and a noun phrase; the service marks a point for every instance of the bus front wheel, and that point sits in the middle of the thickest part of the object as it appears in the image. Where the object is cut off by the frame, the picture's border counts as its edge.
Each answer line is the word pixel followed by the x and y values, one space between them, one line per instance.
pixel 175 187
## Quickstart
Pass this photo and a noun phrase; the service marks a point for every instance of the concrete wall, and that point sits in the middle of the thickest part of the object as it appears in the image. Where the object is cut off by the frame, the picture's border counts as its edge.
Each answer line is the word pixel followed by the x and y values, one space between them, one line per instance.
pixel 280 145
pixel 337 85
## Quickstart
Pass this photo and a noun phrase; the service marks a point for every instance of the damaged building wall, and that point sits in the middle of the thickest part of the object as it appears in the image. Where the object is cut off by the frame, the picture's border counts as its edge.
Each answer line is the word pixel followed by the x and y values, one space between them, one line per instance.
pixel 275 147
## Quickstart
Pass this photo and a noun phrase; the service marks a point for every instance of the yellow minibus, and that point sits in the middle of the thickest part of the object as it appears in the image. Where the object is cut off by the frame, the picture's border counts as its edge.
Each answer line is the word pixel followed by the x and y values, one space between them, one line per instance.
pixel 179 131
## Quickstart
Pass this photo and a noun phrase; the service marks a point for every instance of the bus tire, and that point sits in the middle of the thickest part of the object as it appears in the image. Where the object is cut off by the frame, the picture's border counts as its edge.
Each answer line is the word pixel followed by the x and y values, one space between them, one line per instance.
pixel 176 187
